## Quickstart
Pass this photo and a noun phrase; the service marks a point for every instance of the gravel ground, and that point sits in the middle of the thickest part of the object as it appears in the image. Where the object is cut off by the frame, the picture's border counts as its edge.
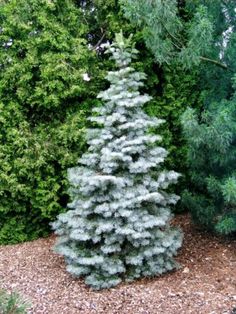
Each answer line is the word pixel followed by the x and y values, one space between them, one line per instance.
pixel 206 282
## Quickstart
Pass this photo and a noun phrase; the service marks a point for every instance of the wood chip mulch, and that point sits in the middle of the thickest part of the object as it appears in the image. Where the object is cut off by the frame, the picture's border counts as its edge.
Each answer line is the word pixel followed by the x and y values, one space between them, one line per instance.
pixel 206 282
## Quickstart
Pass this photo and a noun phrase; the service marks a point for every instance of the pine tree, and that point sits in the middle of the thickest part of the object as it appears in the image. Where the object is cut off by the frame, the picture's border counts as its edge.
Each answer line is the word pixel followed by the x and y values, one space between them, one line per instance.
pixel 176 32
pixel 118 223
pixel 211 133
pixel 211 139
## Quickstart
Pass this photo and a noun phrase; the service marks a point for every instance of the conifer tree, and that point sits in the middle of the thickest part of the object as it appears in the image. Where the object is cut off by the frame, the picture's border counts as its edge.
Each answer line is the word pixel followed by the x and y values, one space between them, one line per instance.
pixel 211 132
pixel 44 101
pixel 118 223
pixel 211 139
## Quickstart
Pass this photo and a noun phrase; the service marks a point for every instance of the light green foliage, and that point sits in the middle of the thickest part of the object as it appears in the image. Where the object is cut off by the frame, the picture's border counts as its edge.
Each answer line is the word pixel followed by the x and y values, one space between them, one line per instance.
pixel 43 106
pixel 199 33
pixel 11 303
pixel 118 223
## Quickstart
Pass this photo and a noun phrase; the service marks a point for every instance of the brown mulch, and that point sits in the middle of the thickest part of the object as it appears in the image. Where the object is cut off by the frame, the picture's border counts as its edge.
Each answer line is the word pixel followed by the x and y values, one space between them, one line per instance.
pixel 206 283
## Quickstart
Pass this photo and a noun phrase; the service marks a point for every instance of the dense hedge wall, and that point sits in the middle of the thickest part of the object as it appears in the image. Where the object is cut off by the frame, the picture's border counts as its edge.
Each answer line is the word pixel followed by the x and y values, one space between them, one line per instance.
pixel 43 106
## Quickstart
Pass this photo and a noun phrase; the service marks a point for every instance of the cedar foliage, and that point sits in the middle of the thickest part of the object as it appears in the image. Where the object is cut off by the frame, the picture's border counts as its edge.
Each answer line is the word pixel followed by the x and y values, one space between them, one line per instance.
pixel 43 106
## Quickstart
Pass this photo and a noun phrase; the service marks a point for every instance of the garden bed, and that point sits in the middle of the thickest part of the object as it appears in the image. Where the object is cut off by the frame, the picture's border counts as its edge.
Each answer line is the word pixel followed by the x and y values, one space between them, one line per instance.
pixel 205 283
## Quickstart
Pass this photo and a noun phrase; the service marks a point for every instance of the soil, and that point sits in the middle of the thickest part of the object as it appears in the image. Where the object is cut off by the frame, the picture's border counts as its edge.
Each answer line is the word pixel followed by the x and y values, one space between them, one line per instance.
pixel 205 283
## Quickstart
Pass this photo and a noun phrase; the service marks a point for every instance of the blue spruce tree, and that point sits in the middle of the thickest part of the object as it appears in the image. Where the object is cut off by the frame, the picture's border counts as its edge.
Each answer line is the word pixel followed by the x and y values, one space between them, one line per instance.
pixel 118 223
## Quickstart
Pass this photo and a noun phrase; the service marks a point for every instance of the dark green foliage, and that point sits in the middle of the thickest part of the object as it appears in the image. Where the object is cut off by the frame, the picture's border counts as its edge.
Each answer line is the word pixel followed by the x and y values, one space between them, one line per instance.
pixel 11 303
pixel 33 164
pixel 211 135
pixel 216 82
pixel 212 160
pixel 43 107
pixel 177 93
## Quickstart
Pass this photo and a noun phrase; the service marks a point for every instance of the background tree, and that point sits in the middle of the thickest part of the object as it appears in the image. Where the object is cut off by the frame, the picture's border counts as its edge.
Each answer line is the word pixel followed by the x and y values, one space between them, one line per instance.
pixel 211 155
pixel 200 34
pixel 172 32
pixel 118 225
pixel 43 106
pixel 211 133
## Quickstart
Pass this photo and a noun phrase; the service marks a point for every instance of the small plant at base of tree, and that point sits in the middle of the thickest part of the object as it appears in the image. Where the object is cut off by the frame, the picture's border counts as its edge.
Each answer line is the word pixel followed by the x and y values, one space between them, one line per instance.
pixel 118 226
pixel 11 303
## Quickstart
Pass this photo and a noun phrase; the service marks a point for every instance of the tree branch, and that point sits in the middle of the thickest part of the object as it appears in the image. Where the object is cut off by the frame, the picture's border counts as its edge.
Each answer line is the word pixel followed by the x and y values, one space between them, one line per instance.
pixel 99 42
pixel 222 65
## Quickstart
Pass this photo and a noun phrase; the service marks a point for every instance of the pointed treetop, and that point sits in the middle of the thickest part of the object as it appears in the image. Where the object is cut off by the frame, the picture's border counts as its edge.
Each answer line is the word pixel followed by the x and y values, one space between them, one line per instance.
pixel 122 50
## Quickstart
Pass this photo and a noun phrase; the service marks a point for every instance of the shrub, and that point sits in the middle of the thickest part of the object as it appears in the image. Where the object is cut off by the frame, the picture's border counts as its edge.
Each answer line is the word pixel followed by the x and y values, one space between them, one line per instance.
pixel 43 107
